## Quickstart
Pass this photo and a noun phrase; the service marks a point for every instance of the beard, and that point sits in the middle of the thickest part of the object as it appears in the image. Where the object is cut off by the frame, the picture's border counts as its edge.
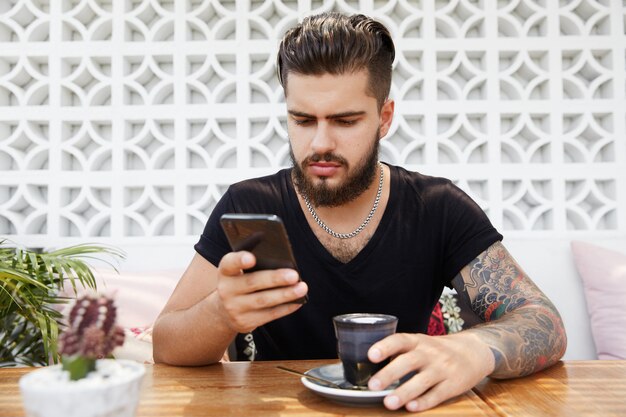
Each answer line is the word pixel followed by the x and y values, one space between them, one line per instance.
pixel 322 194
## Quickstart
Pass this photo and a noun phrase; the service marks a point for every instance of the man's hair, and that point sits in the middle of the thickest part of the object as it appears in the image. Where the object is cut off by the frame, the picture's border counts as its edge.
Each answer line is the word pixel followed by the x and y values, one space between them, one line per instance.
pixel 337 44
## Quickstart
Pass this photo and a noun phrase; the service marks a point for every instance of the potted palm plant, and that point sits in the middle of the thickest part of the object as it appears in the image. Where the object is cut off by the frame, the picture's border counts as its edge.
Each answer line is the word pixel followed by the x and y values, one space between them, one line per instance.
pixel 31 282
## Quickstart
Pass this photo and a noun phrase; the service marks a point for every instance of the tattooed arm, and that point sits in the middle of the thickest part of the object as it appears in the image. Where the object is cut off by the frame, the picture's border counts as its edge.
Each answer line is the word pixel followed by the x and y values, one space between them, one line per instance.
pixel 522 327
pixel 522 333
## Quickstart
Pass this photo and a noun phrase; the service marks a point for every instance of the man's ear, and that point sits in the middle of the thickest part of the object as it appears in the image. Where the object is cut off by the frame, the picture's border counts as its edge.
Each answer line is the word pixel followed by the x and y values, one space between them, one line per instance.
pixel 386 117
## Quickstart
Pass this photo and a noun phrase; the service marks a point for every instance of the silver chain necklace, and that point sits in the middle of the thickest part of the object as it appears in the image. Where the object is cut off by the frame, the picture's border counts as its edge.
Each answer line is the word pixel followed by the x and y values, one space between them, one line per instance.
pixel 358 229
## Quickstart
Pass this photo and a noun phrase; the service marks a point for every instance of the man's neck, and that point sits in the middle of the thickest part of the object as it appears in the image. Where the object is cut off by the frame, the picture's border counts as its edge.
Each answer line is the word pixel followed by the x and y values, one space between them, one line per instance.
pixel 347 217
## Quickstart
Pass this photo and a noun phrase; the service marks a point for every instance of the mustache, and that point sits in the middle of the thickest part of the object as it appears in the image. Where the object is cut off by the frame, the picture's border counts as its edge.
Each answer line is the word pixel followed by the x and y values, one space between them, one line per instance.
pixel 327 157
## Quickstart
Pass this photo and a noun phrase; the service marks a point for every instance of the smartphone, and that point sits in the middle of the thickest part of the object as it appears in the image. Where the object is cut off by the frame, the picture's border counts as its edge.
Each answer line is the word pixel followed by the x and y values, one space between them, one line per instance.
pixel 265 236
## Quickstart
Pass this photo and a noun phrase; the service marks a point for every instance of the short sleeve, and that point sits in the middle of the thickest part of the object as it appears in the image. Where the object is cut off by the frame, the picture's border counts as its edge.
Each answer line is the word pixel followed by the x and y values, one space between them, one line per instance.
pixel 467 231
pixel 213 244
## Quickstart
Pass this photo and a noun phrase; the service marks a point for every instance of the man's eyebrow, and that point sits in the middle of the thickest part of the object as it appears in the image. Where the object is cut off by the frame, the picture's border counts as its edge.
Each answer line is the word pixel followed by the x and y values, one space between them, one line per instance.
pixel 330 116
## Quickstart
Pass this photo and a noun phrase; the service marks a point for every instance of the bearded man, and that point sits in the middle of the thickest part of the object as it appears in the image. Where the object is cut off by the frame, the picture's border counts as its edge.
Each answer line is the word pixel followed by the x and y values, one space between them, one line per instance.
pixel 367 237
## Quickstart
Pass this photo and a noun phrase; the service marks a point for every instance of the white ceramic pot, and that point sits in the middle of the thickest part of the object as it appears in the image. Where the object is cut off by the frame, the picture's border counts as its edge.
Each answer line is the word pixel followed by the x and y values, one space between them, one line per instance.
pixel 112 391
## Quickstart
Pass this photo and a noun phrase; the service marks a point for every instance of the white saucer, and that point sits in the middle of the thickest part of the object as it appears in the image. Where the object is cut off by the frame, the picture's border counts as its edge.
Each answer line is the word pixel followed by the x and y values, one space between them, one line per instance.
pixel 334 373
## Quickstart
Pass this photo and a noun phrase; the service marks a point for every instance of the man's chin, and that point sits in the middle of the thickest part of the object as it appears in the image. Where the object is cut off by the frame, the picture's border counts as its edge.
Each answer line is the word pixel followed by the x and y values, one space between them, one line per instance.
pixel 319 180
pixel 321 186
pixel 327 196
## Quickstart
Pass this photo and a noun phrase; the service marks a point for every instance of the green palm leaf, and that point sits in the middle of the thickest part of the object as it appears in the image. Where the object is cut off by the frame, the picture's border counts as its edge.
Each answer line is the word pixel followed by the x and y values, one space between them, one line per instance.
pixel 30 283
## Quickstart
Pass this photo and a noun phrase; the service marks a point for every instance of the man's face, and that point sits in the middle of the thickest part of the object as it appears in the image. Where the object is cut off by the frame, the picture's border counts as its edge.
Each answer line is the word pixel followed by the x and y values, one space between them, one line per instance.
pixel 334 127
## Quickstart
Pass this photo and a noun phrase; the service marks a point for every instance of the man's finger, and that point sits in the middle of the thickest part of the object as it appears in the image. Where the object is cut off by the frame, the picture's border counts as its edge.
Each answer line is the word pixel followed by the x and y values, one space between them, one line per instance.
pixel 251 320
pixel 432 398
pixel 273 297
pixel 264 280
pixel 234 262
pixel 392 345
pixel 413 387
pixel 398 369
pixel 282 310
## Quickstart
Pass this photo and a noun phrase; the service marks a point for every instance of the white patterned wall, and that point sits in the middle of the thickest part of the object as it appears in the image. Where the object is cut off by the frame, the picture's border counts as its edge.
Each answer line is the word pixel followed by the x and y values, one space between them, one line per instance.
pixel 124 121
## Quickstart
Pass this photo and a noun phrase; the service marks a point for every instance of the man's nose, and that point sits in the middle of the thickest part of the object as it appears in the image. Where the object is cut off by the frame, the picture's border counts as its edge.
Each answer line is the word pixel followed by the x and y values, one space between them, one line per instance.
pixel 323 140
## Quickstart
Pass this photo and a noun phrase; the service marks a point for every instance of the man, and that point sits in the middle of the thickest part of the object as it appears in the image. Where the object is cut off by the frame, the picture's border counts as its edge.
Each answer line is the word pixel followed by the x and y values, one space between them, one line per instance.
pixel 367 237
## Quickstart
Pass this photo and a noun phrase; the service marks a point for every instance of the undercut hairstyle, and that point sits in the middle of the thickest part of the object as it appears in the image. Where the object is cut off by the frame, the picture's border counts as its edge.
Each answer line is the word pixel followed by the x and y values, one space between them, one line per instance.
pixel 337 44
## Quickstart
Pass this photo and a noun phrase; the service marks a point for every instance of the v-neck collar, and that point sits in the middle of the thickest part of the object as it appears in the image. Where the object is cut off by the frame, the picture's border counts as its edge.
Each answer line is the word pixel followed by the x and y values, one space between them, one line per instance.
pixel 316 246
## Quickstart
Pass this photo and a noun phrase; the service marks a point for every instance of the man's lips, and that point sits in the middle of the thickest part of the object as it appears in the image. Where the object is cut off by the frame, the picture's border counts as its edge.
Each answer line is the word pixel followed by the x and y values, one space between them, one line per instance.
pixel 323 169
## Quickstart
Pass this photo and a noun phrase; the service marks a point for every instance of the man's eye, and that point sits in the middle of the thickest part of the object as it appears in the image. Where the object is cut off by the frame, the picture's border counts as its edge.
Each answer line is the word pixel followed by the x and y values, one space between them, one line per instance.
pixel 346 122
pixel 301 122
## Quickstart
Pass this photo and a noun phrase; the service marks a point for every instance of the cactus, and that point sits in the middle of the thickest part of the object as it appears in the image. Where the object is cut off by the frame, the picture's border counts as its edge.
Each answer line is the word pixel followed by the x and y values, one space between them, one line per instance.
pixel 91 334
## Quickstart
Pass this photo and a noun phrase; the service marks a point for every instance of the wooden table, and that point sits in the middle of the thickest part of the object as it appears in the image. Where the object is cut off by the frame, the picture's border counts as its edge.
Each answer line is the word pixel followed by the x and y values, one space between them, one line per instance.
pixel 572 388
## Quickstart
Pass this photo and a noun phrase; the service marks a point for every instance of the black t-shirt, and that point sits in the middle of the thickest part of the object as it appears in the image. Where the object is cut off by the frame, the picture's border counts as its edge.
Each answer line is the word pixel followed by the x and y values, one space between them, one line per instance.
pixel 429 231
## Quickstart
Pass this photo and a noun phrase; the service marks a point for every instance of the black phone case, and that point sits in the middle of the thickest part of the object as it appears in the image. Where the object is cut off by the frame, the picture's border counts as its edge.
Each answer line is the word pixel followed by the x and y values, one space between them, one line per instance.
pixel 264 235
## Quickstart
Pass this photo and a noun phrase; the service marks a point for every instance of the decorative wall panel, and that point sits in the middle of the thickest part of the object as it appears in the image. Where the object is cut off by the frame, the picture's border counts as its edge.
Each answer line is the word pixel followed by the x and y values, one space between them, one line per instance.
pixel 125 121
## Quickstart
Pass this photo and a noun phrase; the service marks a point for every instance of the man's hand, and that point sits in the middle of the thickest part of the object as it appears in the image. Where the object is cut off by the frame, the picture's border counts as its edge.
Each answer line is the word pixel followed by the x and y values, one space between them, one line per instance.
pixel 444 366
pixel 249 300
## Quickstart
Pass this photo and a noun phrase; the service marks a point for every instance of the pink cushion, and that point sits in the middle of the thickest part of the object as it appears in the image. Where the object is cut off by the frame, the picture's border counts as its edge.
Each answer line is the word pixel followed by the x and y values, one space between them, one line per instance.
pixel 604 279
pixel 139 296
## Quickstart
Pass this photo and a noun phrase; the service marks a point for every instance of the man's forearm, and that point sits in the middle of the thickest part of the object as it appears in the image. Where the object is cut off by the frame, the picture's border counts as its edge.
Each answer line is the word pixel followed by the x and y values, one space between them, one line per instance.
pixel 195 336
pixel 522 327
pixel 524 341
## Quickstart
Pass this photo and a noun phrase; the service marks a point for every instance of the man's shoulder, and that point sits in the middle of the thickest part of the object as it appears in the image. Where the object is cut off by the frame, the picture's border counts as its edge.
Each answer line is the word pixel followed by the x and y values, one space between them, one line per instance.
pixel 260 190
pixel 421 182
pixel 267 194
